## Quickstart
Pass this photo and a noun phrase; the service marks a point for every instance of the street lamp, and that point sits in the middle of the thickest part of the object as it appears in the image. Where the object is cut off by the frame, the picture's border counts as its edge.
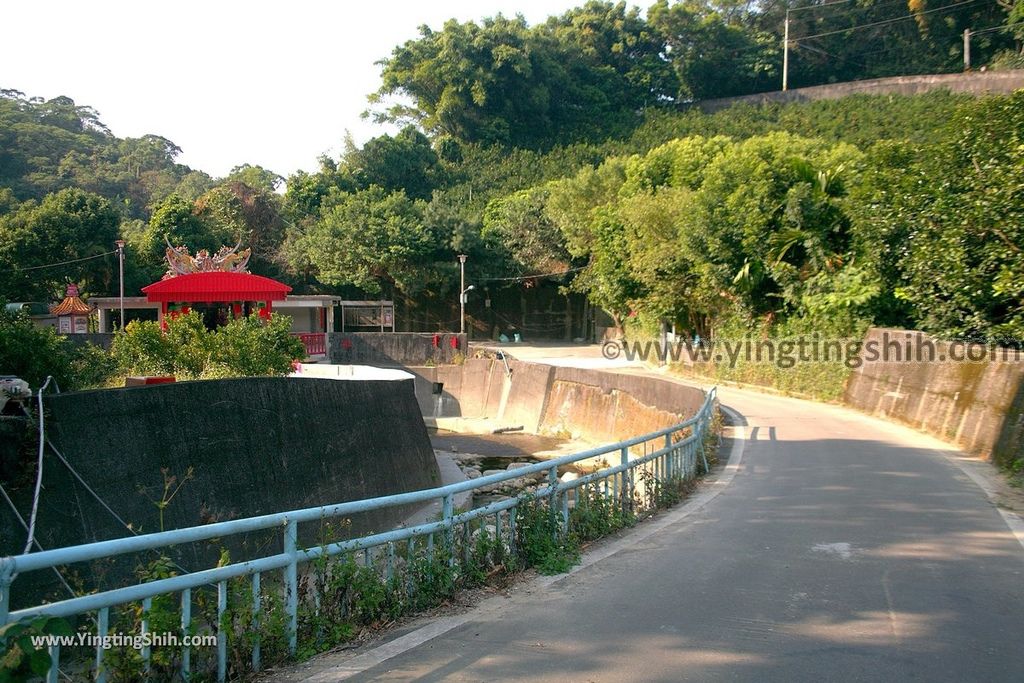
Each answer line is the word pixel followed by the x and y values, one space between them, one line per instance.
pixel 462 293
pixel 120 268
pixel 463 298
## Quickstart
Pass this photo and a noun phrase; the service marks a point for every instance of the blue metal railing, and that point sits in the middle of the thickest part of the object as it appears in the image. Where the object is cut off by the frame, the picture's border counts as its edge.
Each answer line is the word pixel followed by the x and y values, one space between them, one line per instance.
pixel 676 458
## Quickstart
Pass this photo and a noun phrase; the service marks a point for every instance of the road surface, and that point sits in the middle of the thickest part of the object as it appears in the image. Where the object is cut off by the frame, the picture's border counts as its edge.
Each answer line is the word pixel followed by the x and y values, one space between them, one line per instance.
pixel 836 548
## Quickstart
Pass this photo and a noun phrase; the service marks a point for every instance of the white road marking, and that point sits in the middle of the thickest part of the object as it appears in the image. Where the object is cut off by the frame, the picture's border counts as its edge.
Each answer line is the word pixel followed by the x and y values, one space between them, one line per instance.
pixel 844 551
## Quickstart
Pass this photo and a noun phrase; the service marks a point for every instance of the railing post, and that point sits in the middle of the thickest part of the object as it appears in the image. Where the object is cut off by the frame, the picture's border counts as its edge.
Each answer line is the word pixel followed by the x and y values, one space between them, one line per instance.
pixel 700 440
pixel 291 583
pixel 102 624
pixel 147 651
pixel 555 499
pixel 447 512
pixel 186 627
pixel 222 631
pixel 256 621
pixel 627 481
pixel 669 455
pixel 6 579
pixel 53 675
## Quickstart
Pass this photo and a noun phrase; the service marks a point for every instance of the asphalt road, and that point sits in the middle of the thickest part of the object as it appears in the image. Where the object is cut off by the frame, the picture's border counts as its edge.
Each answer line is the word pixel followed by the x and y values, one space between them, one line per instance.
pixel 843 549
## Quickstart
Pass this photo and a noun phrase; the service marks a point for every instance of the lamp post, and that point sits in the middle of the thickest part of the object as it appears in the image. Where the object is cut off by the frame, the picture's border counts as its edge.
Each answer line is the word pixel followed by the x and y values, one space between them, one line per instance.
pixel 785 55
pixel 463 298
pixel 462 293
pixel 120 269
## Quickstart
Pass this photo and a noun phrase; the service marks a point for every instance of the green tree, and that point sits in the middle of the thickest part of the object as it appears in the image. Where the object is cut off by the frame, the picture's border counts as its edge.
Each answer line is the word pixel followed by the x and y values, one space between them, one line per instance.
pixel 580 76
pixel 245 215
pixel 716 53
pixel 519 225
pixel 255 177
pixel 33 353
pixel 68 226
pixel 243 348
pixel 371 239
pixel 956 220
pixel 403 162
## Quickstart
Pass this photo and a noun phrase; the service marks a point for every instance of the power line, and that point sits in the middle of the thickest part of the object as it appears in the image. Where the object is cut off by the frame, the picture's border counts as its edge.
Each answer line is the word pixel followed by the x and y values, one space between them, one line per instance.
pixel 64 263
pixel 884 22
pixel 834 56
pixel 21 520
pixel 824 4
pixel 990 29
pixel 855 9
pixel 529 277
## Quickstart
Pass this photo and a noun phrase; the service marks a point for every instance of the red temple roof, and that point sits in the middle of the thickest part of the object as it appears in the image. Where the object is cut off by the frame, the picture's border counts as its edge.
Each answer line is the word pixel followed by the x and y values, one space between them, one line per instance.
pixel 217 286
pixel 71 305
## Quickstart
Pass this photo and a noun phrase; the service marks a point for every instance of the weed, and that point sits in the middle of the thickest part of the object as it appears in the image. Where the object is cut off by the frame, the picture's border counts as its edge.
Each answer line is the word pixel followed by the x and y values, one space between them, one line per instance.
pixel 541 540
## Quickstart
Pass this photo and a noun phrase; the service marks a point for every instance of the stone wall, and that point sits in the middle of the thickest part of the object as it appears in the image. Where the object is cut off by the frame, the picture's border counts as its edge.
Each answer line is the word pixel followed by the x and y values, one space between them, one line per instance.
pixel 974 83
pixel 256 446
pixel 394 348
pixel 979 406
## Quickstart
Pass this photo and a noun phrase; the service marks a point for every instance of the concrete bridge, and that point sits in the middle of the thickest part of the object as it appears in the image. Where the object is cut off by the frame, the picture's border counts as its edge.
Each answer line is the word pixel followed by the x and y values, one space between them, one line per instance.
pixel 830 546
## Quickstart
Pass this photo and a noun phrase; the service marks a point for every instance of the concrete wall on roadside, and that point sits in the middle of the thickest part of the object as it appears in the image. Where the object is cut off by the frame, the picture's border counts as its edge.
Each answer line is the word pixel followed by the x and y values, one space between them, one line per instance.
pixel 394 348
pixel 973 83
pixel 100 339
pixel 256 445
pixel 596 405
pixel 977 406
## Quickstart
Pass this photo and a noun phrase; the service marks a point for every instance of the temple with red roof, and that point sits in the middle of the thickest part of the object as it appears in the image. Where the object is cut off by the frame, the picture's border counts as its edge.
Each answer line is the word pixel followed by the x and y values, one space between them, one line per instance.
pixel 220 288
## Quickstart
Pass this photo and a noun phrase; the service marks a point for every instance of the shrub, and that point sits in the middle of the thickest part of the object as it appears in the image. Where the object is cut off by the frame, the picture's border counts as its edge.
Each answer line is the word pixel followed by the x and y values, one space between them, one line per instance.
pixel 243 348
pixel 33 353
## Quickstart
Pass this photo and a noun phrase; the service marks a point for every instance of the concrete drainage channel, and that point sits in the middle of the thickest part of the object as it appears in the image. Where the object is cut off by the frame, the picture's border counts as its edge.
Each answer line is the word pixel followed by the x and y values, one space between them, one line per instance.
pixel 595 406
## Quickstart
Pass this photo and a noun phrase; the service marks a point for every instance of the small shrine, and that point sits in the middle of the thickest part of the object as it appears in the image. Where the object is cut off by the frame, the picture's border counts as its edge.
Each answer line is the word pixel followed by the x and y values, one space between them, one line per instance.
pixel 218 286
pixel 72 313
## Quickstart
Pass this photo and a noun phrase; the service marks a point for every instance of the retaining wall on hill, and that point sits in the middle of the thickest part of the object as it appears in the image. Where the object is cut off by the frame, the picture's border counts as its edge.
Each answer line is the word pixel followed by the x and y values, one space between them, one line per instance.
pixel 256 445
pixel 595 405
pixel 974 83
pixel 978 406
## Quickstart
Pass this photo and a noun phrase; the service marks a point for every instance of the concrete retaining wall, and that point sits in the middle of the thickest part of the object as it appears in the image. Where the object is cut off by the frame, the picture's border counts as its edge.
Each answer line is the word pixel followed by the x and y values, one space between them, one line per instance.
pixel 595 405
pixel 257 446
pixel 977 406
pixel 973 83
pixel 101 339
pixel 394 348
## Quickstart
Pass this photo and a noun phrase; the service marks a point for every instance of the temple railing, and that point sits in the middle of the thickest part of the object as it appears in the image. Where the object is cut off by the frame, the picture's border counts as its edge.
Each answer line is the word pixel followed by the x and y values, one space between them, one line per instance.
pixel 315 342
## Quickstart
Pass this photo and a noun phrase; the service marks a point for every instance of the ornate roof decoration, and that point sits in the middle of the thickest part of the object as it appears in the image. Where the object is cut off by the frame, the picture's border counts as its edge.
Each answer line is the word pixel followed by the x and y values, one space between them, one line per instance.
pixel 226 260
pixel 72 305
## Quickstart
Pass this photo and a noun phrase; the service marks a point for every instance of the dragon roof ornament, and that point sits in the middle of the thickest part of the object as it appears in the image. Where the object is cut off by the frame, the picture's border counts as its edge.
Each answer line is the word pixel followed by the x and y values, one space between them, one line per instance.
pixel 226 260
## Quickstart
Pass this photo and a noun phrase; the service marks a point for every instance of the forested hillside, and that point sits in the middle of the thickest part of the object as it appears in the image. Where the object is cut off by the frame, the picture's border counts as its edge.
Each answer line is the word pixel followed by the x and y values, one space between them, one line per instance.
pixel 567 148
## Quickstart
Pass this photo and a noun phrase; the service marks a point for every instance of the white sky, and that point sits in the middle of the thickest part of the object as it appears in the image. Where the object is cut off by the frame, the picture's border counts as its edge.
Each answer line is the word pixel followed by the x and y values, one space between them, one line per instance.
pixel 230 82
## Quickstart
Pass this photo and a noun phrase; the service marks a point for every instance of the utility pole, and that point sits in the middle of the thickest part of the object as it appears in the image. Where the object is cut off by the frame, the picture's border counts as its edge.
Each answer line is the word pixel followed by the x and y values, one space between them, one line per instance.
pixel 967 49
pixel 785 55
pixel 120 268
pixel 462 293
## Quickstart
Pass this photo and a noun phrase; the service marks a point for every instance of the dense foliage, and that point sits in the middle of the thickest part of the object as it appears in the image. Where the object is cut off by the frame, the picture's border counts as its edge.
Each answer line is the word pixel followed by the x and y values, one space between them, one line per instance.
pixel 564 147
pixel 245 347
pixel 33 354
pixel 590 72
